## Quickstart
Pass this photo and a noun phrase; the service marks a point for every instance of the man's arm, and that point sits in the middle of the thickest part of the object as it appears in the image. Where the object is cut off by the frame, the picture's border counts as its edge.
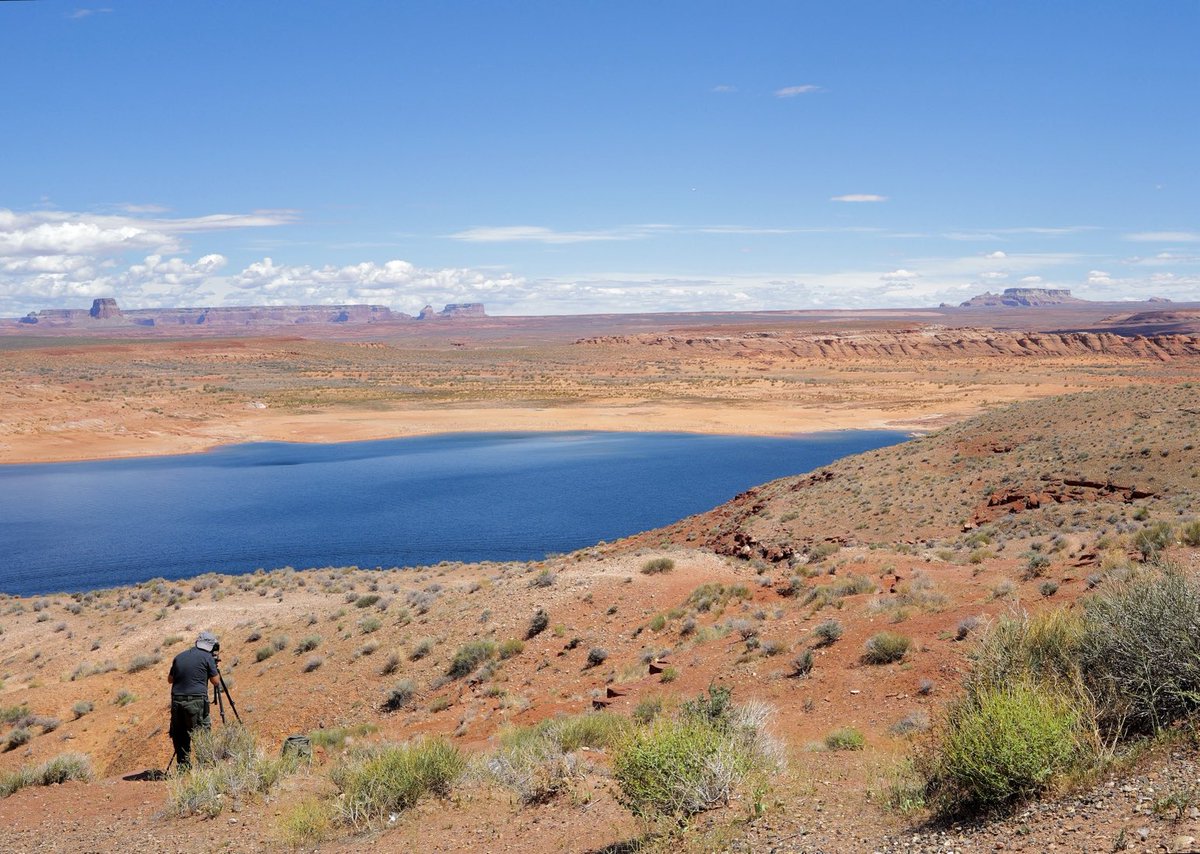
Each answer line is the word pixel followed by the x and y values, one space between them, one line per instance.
pixel 216 680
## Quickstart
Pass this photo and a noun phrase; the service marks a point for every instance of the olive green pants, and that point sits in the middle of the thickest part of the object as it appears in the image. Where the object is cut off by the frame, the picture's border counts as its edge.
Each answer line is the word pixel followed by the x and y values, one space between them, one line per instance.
pixel 189 712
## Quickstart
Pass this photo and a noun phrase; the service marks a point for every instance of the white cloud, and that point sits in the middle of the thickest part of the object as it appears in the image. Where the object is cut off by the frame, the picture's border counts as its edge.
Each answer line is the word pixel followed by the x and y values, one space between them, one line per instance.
pixel 993 275
pixel 859 197
pixel 1165 236
pixel 793 91
pixel 1031 281
pixel 999 253
pixel 79 14
pixel 539 234
pixel 899 276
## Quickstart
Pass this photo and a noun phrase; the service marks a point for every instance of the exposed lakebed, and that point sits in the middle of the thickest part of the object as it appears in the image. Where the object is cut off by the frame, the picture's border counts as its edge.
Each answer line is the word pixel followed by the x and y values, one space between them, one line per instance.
pixel 394 502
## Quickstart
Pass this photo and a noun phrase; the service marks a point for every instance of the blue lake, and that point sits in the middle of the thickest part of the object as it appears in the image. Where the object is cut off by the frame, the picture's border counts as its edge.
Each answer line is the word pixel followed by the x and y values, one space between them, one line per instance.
pixel 395 502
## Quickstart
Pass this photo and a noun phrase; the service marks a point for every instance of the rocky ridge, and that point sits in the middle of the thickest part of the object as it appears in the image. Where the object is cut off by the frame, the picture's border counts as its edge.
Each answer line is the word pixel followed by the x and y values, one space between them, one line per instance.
pixel 924 343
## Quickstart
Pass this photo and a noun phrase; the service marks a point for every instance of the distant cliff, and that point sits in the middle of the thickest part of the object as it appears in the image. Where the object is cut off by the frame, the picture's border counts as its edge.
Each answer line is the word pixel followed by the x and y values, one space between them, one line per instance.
pixel 1023 298
pixel 107 314
pixel 926 343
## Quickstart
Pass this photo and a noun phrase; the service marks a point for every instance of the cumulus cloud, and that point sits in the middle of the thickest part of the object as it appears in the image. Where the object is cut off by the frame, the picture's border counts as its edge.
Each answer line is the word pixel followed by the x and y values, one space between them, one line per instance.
pixel 793 91
pixel 900 275
pixel 859 197
pixel 999 253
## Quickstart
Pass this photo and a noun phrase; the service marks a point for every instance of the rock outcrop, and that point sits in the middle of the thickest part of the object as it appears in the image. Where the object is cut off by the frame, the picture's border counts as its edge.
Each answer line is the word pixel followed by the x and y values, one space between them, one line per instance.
pixel 924 343
pixel 1023 298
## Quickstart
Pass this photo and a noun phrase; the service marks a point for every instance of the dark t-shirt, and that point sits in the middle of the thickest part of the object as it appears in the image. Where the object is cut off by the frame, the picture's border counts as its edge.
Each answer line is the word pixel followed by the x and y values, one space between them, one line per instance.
pixel 191 670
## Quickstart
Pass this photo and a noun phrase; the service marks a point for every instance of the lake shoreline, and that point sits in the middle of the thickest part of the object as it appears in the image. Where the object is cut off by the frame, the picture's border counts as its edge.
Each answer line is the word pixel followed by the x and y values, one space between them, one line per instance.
pixel 79 442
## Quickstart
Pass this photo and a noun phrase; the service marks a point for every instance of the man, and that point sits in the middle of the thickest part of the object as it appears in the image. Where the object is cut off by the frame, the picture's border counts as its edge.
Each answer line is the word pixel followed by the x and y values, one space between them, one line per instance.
pixel 192 671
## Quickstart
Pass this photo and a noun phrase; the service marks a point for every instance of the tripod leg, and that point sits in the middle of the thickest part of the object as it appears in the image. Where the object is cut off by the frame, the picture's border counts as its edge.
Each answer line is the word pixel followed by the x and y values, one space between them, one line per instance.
pixel 229 697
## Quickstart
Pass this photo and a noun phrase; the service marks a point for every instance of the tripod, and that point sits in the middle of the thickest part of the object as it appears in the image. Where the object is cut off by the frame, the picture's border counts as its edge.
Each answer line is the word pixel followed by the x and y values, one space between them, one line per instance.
pixel 221 688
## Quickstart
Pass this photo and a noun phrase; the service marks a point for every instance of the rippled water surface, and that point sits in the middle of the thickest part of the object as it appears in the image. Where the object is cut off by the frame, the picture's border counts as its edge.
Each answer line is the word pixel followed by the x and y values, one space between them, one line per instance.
pixel 395 502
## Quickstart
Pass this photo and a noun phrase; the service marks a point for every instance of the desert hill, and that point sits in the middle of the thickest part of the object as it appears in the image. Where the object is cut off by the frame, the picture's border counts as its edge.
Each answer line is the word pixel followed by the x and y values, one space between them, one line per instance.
pixel 735 598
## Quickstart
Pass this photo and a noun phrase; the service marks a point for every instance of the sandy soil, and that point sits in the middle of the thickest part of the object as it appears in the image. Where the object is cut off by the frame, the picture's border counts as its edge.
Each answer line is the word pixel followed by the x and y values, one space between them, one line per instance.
pixel 66 400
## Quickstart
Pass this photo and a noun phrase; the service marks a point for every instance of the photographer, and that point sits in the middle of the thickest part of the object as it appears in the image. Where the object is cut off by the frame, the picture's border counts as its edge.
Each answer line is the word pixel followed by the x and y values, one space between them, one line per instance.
pixel 192 671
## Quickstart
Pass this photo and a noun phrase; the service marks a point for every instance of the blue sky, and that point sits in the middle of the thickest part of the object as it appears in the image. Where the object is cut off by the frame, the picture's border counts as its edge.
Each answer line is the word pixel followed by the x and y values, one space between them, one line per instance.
pixel 569 157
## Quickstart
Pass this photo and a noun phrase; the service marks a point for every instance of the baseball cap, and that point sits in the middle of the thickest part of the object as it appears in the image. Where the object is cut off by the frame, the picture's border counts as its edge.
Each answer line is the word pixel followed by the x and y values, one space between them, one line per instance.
pixel 206 641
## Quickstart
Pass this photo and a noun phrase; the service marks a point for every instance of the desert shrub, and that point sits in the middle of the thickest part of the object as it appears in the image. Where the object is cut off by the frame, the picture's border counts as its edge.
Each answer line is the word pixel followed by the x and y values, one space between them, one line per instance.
pixel 313 663
pixel 421 649
pixel 142 662
pixel 60 769
pixel 12 714
pixel 1043 647
pixel 399 695
pixel 1189 533
pixel 539 762
pixel 1003 744
pixel 366 601
pixel 469 656
pixel 227 769
pixel 802 664
pixel 537 624
pixel 845 738
pixel 545 578
pixel 369 624
pixel 264 652
pixel 1153 539
pixel 647 709
pixel 18 737
pixel 851 585
pixel 596 656
pixel 828 632
pixel 510 648
pixel 658 565
pixel 965 626
pixel 886 648
pixel 81 708
pixel 390 665
pixel 336 737
pixel 911 723
pixel 380 781
pixel 676 768
pixel 306 824
pixel 124 698
pixel 308 644
pixel 1140 651
pixel 1048 588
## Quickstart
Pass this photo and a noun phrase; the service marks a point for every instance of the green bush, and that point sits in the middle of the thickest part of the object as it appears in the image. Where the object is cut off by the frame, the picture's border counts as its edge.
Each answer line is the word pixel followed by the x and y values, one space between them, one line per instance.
pixel 60 769
pixel 845 738
pixel 677 768
pixel 658 565
pixel 828 632
pixel 308 644
pixel 886 648
pixel 378 782
pixel 366 601
pixel 1004 744
pixel 227 769
pixel 510 648
pixel 1153 539
pixel 264 652
pixel 1189 533
pixel 1140 652
pixel 469 656
pixel 142 662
